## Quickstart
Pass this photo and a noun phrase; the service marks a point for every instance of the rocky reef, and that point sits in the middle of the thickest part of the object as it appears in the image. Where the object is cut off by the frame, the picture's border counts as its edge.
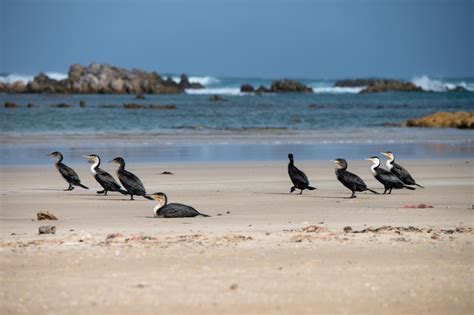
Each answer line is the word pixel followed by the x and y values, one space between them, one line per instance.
pixel 102 79
pixel 379 85
pixel 461 120
pixel 279 86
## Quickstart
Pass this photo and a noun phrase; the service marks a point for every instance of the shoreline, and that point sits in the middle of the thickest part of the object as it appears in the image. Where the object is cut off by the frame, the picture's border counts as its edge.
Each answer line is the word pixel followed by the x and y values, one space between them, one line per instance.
pixel 109 254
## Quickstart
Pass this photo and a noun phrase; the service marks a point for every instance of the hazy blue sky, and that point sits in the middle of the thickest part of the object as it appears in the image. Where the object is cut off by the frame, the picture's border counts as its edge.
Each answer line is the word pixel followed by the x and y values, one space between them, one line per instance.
pixel 318 39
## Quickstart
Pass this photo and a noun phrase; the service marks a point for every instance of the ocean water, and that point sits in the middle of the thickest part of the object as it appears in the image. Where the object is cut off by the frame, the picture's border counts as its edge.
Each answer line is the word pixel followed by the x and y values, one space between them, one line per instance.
pixel 252 127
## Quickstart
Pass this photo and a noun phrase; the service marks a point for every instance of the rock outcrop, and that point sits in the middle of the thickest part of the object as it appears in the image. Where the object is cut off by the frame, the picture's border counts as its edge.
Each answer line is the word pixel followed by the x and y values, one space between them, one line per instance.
pixel 185 84
pixel 289 86
pixel 102 79
pixel 279 86
pixel 461 120
pixel 379 85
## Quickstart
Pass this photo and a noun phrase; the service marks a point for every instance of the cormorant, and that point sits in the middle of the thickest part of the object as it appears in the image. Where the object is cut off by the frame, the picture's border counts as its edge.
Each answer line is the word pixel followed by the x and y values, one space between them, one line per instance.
pixel 399 170
pixel 387 179
pixel 102 177
pixel 173 210
pixel 66 172
pixel 351 181
pixel 129 181
pixel 298 178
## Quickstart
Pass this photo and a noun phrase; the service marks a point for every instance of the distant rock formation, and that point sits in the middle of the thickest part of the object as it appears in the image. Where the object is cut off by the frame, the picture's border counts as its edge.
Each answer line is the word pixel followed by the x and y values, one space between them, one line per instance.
pixel 102 79
pixel 461 120
pixel 379 85
pixel 279 86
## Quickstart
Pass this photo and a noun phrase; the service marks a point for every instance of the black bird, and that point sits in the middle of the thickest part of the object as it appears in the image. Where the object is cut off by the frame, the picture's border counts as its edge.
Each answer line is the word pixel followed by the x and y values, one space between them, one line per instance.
pixel 66 172
pixel 399 170
pixel 102 177
pixel 387 179
pixel 130 182
pixel 298 178
pixel 173 210
pixel 351 181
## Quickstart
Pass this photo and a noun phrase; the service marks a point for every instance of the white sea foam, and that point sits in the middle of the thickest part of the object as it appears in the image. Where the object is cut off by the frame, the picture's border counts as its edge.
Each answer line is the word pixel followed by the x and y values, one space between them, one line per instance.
pixel 220 91
pixel 25 78
pixel 204 80
pixel 428 84
pixel 337 89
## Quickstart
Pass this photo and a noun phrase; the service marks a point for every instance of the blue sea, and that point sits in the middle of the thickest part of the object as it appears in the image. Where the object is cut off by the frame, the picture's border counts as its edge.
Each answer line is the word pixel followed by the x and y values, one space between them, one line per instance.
pixel 329 122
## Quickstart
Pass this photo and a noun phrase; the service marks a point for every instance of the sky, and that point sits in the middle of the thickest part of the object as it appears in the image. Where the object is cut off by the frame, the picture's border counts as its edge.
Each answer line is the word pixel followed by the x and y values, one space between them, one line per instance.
pixel 245 38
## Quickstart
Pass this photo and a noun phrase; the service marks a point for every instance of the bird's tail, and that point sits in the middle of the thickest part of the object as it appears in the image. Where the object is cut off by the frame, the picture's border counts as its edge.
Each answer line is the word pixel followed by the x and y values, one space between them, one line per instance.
pixel 204 215
pixel 311 188
pixel 123 192
pixel 373 191
pixel 408 187
pixel 85 187
pixel 419 186
pixel 148 197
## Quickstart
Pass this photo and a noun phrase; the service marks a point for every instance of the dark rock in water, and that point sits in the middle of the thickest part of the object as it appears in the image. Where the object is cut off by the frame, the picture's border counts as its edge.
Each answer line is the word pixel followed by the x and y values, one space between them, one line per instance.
pixel 30 105
pixel 391 124
pixel 315 106
pixel 167 173
pixel 217 98
pixel 458 89
pixel 283 86
pixel 47 229
pixel 247 88
pixel 10 105
pixel 133 106
pixel 140 97
pixel 185 84
pixel 164 107
pixel 460 120
pixel 82 103
pixel 391 85
pixel 109 106
pixel 347 229
pixel 45 216
pixel 354 82
pixel 261 89
pixel 379 85
pixel 3 87
pixel 61 105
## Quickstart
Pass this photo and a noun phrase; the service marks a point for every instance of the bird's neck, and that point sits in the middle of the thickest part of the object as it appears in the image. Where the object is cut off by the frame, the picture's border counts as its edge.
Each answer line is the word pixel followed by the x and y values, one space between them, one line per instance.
pixel 390 163
pixel 121 166
pixel 374 167
pixel 95 166
pixel 161 204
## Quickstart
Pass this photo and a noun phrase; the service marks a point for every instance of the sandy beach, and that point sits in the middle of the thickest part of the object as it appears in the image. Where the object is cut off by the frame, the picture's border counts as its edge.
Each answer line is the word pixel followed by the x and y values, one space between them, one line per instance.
pixel 263 251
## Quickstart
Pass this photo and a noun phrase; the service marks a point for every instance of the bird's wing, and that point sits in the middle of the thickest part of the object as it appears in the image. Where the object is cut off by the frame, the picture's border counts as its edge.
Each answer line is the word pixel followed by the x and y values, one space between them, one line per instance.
pixel 176 210
pixel 402 172
pixel 130 181
pixel 387 176
pixel 104 176
pixel 354 178
pixel 298 175
pixel 68 173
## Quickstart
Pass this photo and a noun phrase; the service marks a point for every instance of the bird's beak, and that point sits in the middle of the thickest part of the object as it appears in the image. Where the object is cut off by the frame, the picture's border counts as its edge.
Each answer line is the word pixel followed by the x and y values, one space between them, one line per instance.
pixel 367 159
pixel 86 156
pixel 335 161
pixel 383 153
pixel 112 161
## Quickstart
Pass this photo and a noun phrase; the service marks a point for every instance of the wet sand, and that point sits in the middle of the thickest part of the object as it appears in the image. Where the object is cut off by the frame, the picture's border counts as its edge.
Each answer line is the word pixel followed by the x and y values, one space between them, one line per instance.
pixel 263 251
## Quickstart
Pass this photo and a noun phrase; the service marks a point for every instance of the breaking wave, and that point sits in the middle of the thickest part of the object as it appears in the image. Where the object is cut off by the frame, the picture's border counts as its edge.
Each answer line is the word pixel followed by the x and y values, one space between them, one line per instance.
pixel 218 91
pixel 428 84
pixel 204 80
pixel 25 78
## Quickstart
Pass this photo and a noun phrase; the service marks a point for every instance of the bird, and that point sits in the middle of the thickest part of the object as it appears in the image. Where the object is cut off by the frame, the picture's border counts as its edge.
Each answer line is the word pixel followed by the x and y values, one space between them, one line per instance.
pixel 173 210
pixel 66 172
pixel 130 181
pixel 387 179
pixel 105 180
pixel 351 181
pixel 399 170
pixel 298 178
